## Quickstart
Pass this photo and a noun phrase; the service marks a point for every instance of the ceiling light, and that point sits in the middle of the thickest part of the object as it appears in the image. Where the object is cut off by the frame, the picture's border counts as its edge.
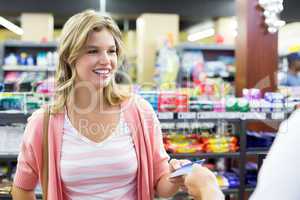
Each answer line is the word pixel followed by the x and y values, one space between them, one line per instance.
pixel 10 26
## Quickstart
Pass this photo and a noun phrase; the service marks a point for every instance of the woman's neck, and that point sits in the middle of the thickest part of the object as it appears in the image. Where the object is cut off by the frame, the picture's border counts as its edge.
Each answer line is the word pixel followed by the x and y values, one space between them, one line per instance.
pixel 87 100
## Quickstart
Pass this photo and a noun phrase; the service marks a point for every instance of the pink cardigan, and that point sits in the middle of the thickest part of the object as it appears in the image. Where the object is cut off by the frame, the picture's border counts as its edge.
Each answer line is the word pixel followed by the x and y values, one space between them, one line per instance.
pixel 146 133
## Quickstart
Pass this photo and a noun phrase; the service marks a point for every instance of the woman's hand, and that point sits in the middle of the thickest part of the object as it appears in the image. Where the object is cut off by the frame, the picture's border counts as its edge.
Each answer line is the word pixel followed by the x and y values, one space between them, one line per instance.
pixel 174 165
pixel 202 184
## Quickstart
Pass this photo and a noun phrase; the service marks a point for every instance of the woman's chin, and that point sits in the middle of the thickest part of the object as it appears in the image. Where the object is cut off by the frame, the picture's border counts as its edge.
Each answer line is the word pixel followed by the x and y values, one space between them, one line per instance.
pixel 101 84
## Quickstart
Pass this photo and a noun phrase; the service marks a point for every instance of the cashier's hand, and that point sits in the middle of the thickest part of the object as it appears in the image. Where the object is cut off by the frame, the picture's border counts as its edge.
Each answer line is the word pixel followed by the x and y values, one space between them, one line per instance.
pixel 202 184
pixel 175 164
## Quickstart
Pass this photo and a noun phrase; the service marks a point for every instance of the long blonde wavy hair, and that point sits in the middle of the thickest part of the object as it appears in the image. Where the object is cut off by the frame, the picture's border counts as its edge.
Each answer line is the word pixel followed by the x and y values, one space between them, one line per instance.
pixel 72 40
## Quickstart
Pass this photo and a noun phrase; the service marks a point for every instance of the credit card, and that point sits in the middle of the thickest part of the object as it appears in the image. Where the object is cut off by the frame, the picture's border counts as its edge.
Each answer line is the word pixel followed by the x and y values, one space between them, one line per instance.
pixel 186 169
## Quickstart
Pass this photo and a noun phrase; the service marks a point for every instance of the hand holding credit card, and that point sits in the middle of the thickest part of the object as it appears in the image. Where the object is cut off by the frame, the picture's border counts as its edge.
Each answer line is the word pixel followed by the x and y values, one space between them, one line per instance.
pixel 186 169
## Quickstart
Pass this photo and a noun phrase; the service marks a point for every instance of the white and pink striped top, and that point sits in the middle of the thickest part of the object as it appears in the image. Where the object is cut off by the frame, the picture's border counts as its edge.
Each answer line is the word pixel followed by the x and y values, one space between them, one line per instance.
pixel 105 170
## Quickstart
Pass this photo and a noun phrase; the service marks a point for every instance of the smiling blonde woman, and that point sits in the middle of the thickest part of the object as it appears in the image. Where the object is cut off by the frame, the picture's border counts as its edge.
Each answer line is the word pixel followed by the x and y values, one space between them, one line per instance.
pixel 104 143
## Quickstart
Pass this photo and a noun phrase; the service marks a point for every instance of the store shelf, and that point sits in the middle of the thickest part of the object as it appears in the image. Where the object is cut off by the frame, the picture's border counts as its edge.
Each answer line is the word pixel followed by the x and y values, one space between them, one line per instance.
pixel 230 191
pixel 257 151
pixel 205 155
pixel 8 197
pixel 28 68
pixel 8 117
pixel 183 117
pixel 249 189
pixel 228 116
pixel 8 156
pixel 213 47
pixel 20 44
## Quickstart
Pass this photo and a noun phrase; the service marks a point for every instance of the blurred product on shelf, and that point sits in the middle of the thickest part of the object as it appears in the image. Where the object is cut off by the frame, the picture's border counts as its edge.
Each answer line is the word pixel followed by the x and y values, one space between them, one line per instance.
pixel 237 105
pixel 187 100
pixel 220 144
pixel 172 102
pixel 46 86
pixel 3 171
pixel 9 102
pixel 251 174
pixel 23 102
pixel 260 139
pixel 232 179
pixel 2 87
pixel 42 58
pixel 216 69
pixel 11 59
pixel 177 143
pixel 226 179
pixel 151 97
pixel 191 68
pixel 197 106
pixel 24 81
pixel 198 63
pixel 11 137
pixel 167 65
pixel 5 187
pixel 252 94
pixel 197 143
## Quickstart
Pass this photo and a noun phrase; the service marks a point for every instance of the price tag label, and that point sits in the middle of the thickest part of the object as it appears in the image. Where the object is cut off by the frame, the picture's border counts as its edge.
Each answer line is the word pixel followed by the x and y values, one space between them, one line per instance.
pixel 166 125
pixel 277 115
pixel 254 115
pixel 165 115
pixel 229 115
pixel 186 115
pixel 206 115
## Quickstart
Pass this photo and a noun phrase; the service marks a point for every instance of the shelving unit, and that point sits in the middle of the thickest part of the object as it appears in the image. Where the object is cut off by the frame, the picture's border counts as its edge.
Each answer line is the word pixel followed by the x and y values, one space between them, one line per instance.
pixel 26 68
pixel 239 119
pixel 24 44
pixel 31 48
pixel 192 56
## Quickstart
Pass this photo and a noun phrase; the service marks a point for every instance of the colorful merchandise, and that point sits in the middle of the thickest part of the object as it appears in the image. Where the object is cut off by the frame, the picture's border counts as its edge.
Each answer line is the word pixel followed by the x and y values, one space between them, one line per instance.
pixel 260 139
pixel 178 143
pixel 167 65
pixel 220 144
pixel 232 178
pixel 172 102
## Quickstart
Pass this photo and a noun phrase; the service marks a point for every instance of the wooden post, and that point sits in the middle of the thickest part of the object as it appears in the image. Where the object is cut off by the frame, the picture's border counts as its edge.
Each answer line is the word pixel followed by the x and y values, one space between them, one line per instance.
pixel 256 49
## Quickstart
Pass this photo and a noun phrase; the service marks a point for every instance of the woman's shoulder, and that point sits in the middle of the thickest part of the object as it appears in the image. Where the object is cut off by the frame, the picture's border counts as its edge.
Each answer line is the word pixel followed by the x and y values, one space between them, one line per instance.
pixel 142 104
pixel 34 126
pixel 35 123
pixel 36 117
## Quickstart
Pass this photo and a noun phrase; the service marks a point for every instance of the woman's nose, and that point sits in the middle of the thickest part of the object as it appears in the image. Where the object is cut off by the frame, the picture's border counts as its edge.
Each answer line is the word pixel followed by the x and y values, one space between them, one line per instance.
pixel 103 58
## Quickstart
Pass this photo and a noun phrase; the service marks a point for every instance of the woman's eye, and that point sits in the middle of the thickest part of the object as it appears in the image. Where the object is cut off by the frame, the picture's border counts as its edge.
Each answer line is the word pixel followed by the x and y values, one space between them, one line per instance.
pixel 93 51
pixel 112 51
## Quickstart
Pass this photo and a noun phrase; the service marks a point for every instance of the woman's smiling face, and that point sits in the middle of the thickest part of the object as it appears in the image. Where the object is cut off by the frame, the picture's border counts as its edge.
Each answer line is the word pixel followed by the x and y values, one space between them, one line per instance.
pixel 98 62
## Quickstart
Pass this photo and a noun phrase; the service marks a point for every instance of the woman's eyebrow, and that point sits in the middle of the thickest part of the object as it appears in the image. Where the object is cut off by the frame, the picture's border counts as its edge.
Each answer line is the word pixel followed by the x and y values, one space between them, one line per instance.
pixel 96 47
pixel 91 47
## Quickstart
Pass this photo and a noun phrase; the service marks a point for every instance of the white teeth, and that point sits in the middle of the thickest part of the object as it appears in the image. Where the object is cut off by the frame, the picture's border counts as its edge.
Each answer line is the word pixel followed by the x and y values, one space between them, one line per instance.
pixel 101 71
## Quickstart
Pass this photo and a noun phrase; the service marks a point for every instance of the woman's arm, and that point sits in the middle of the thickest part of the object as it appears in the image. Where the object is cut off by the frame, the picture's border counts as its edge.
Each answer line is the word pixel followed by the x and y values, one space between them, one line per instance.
pixel 165 188
pixel 20 194
pixel 29 159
